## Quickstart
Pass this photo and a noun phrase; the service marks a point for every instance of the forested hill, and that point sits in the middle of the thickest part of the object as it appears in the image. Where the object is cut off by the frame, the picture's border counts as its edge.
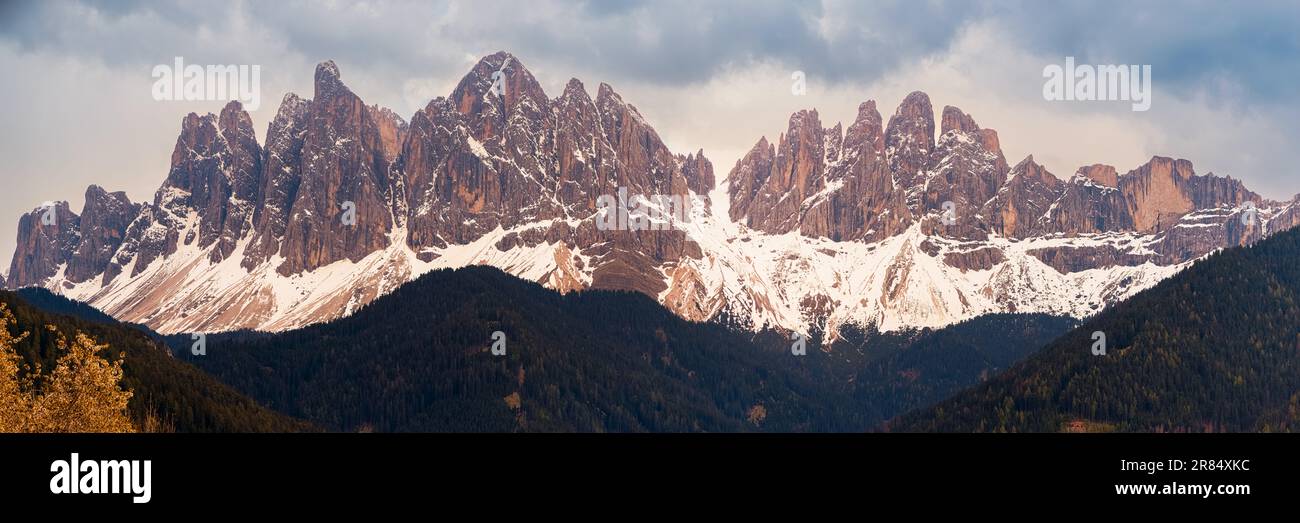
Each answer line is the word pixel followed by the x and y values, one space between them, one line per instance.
pixel 420 359
pixel 1214 348
pixel 168 394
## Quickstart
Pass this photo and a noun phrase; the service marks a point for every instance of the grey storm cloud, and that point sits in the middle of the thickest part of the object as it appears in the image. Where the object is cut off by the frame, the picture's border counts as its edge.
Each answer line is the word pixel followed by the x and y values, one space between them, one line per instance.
pixel 1192 45
pixel 670 41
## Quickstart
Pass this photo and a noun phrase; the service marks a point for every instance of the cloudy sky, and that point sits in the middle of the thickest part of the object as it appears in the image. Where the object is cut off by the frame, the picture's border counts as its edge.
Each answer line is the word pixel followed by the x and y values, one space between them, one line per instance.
pixel 77 104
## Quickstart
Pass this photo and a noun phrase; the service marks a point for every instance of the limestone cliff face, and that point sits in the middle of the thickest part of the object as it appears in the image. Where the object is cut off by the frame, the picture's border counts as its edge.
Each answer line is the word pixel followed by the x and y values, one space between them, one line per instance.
pixel 820 181
pixel 909 142
pixel 698 171
pixel 103 224
pixel 1022 206
pixel 47 238
pixel 748 177
pixel 1157 193
pixel 343 160
pixel 216 173
pixel 967 169
pixel 796 172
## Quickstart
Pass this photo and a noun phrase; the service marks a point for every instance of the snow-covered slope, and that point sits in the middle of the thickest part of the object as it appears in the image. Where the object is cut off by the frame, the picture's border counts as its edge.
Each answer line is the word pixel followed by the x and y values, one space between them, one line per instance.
pixel 785 281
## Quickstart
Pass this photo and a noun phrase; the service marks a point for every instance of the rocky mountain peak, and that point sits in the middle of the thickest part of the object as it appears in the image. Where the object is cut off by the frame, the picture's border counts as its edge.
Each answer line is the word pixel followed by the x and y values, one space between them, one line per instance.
pixel 94 191
pixel 867 109
pixel 328 82
pixel 216 174
pixel 909 137
pixel 574 91
pixel 291 106
pixel 339 155
pixel 1028 168
pixel 392 130
pixel 1019 207
pixel 98 199
pixel 916 105
pixel 834 146
pixel 956 120
pixel 196 131
pixel 988 139
pixel 1100 174
pixel 748 175
pixel 496 86
pixel 803 144
pixel 1165 167
pixel 865 135
pixel 1156 192
pixel 47 237
pixel 698 171
pixel 234 121
pixel 281 176
pixel 609 100
pixel 102 226
pixel 770 187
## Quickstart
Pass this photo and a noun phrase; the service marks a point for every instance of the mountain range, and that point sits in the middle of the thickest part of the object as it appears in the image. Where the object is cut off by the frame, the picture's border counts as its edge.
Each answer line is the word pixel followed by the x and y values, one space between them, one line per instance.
pixel 877 224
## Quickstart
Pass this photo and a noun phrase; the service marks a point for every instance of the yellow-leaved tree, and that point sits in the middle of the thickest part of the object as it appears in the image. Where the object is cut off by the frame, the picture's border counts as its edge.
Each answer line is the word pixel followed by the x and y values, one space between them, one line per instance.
pixel 15 404
pixel 82 394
